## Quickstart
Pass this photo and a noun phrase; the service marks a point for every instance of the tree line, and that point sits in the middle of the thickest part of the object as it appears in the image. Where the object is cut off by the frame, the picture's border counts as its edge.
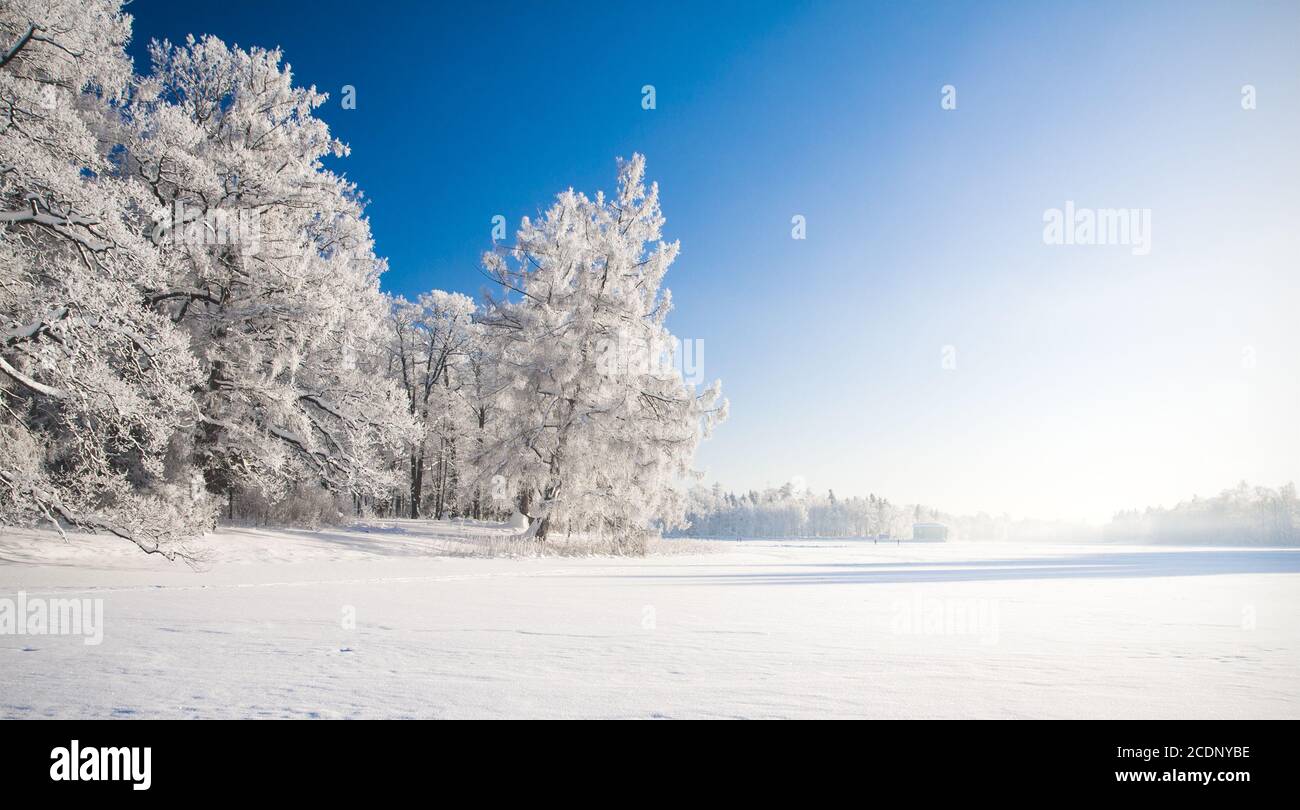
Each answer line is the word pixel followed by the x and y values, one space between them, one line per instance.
pixel 1244 515
pixel 191 319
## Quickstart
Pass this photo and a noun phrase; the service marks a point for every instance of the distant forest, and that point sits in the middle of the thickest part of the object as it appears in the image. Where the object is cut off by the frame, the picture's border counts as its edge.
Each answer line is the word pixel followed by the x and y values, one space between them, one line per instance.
pixel 1244 515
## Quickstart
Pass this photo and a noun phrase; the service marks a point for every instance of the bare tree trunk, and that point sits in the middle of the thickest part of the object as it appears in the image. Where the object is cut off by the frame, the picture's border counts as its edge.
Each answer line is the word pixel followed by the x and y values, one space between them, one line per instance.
pixel 481 413
pixel 417 482
pixel 449 478
pixel 525 500
pixel 548 501
pixel 439 479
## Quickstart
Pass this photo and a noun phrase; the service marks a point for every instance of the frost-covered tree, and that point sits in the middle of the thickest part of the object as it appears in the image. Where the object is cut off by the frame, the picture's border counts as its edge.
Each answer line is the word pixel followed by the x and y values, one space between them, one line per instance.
pixel 1244 515
pixel 189 306
pixel 93 382
pixel 483 379
pixel 272 272
pixel 597 429
pixel 431 339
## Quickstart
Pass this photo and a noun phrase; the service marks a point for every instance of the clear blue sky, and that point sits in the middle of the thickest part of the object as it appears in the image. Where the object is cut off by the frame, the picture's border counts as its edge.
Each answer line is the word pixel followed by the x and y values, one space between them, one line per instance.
pixel 1087 379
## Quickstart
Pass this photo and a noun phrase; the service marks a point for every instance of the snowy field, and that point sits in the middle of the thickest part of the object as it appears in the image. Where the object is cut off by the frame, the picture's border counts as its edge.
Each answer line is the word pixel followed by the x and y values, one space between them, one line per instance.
pixel 379 622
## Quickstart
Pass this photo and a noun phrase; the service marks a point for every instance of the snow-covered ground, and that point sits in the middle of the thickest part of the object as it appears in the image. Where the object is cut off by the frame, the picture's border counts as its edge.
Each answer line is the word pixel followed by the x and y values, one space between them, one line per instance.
pixel 374 622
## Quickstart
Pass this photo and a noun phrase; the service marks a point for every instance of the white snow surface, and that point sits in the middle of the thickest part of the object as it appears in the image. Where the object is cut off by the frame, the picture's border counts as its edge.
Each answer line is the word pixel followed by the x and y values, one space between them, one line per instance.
pixel 792 628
